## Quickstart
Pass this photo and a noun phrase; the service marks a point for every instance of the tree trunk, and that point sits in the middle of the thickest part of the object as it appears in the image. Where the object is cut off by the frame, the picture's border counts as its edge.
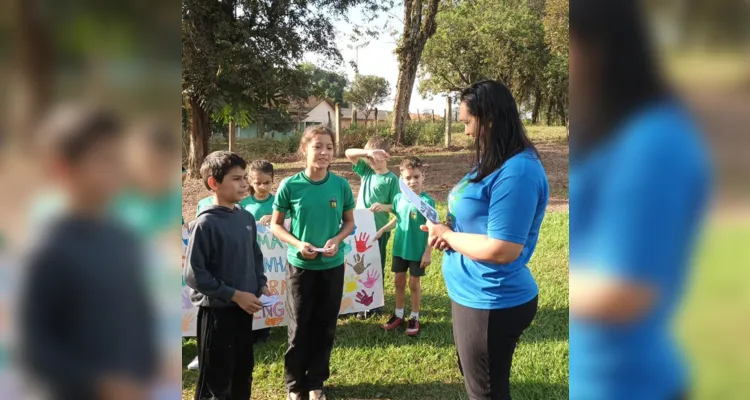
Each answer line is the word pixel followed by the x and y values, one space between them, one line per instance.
pixel 376 118
pixel 232 133
pixel 549 115
pixel 337 120
pixel 354 117
pixel 200 129
pixel 447 121
pixel 417 29
pixel 33 66
pixel 537 106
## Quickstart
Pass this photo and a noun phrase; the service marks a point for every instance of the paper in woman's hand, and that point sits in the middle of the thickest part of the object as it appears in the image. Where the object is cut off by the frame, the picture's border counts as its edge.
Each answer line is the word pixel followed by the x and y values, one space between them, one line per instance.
pixel 425 209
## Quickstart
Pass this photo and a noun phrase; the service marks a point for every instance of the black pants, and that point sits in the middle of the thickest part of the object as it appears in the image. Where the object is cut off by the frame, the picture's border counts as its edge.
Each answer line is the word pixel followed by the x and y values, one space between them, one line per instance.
pixel 485 343
pixel 225 354
pixel 313 300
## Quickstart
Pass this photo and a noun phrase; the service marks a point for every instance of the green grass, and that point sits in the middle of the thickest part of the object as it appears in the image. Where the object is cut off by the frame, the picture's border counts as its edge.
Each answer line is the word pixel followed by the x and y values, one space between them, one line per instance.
pixel 368 363
pixel 714 322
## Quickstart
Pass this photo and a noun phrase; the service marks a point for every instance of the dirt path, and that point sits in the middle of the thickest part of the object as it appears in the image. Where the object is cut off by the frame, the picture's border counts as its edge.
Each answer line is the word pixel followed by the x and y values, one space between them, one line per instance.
pixel 444 170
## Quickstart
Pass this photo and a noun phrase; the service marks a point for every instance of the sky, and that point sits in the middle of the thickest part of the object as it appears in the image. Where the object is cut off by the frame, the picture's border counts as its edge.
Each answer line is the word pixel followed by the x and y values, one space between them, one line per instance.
pixel 377 58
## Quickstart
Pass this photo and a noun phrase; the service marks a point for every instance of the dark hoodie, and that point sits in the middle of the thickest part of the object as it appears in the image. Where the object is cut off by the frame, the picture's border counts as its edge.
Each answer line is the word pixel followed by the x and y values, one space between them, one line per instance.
pixel 223 255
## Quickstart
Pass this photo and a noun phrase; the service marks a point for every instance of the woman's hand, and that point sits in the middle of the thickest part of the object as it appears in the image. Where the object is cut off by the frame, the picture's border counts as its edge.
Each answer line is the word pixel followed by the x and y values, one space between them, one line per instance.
pixel 436 233
pixel 332 248
pixel 306 250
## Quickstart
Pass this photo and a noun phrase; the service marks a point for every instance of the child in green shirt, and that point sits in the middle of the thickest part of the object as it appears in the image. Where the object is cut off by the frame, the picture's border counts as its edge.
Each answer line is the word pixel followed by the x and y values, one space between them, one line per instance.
pixel 410 249
pixel 321 207
pixel 260 201
pixel 378 190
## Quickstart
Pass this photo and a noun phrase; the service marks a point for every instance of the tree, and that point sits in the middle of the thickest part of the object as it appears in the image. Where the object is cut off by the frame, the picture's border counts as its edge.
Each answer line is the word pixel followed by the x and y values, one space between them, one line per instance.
pixel 556 33
pixel 419 25
pixel 325 84
pixel 243 53
pixel 483 40
pixel 367 92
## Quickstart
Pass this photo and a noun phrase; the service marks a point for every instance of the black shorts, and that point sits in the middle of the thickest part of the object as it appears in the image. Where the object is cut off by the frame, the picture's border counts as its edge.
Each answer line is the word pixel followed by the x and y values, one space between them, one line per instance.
pixel 400 265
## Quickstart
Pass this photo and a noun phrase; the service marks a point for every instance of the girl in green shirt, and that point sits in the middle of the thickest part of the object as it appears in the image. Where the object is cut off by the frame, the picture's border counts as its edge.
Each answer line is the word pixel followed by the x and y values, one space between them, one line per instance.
pixel 321 207
pixel 260 201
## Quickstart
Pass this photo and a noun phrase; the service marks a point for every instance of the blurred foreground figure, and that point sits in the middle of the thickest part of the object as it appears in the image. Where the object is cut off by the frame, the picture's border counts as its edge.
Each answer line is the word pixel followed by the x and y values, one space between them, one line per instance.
pixel 639 189
pixel 86 327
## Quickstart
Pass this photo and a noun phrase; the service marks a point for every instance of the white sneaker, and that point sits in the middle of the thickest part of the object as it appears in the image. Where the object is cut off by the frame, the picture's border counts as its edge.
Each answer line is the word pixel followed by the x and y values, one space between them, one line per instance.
pixel 193 366
pixel 317 395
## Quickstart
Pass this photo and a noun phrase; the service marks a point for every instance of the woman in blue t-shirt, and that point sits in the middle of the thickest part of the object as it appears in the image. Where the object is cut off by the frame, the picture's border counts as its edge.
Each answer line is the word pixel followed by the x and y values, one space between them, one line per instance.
pixel 639 187
pixel 494 216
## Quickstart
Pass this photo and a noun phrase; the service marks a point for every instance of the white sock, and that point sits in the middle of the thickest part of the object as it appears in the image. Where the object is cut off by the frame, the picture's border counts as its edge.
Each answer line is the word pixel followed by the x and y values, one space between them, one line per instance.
pixel 400 312
pixel 414 315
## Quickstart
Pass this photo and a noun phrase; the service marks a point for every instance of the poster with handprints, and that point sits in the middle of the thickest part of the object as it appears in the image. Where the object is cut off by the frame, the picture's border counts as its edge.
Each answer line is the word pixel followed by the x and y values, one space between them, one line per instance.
pixel 363 280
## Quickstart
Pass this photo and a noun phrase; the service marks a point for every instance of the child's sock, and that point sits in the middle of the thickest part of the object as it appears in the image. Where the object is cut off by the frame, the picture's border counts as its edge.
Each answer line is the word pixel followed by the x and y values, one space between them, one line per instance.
pixel 414 315
pixel 400 312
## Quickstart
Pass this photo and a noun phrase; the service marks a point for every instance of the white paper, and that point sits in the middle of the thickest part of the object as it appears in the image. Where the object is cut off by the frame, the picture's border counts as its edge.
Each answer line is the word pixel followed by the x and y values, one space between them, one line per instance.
pixel 268 300
pixel 425 209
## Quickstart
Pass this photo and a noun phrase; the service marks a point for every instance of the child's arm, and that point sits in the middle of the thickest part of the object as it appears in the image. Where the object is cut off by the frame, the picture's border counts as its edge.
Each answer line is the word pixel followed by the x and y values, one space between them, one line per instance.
pixel 427 256
pixel 353 155
pixel 277 228
pixel 346 228
pixel 198 277
pixel 387 228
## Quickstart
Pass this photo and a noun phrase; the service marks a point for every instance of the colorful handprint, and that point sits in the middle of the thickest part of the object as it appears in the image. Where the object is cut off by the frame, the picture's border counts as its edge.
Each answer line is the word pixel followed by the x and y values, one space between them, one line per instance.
pixel 274 321
pixel 346 246
pixel 365 299
pixel 354 231
pixel 359 264
pixel 346 303
pixel 372 278
pixel 363 242
pixel 187 320
pixel 350 284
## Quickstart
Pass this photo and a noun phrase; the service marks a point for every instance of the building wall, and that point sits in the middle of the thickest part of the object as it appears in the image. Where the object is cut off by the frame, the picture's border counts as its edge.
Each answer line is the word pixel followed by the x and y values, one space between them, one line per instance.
pixel 319 114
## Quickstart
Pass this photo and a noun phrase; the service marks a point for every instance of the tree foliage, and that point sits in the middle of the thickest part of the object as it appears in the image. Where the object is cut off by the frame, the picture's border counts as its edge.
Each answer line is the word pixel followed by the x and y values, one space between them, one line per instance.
pixel 509 42
pixel 367 92
pixel 326 84
pixel 240 57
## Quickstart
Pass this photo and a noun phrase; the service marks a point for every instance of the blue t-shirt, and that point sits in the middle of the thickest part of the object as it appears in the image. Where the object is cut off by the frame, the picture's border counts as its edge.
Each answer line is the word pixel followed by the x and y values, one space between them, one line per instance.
pixel 636 203
pixel 507 205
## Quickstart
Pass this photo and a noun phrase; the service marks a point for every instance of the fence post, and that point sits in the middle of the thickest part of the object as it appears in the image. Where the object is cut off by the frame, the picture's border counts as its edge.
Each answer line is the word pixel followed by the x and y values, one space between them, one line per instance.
pixel 448 116
pixel 337 117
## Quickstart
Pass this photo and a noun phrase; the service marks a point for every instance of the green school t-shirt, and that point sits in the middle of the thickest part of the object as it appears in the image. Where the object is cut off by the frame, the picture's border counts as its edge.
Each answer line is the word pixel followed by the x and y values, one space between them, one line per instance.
pixel 409 241
pixel 376 188
pixel 259 208
pixel 208 201
pixel 316 209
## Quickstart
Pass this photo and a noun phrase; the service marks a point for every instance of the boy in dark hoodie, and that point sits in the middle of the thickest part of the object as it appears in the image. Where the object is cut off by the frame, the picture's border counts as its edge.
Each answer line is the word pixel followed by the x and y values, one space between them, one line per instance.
pixel 224 269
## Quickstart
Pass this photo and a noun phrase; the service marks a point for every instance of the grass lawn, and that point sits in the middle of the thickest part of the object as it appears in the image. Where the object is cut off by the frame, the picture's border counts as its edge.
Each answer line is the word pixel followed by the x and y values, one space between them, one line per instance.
pixel 368 363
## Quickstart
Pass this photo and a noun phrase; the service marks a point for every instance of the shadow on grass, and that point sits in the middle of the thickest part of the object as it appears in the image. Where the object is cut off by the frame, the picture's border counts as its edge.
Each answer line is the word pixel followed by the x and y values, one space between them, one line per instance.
pixel 441 390
pixel 437 331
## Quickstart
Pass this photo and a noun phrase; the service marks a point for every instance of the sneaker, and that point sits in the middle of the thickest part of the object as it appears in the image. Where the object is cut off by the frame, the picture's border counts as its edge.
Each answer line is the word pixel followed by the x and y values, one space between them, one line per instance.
pixel 412 327
pixel 293 396
pixel 317 395
pixel 193 366
pixel 362 315
pixel 393 323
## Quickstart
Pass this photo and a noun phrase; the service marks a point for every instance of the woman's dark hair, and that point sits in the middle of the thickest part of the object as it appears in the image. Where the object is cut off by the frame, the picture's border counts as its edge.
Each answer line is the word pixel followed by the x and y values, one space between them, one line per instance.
pixel 262 166
pixel 615 34
pixel 500 134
